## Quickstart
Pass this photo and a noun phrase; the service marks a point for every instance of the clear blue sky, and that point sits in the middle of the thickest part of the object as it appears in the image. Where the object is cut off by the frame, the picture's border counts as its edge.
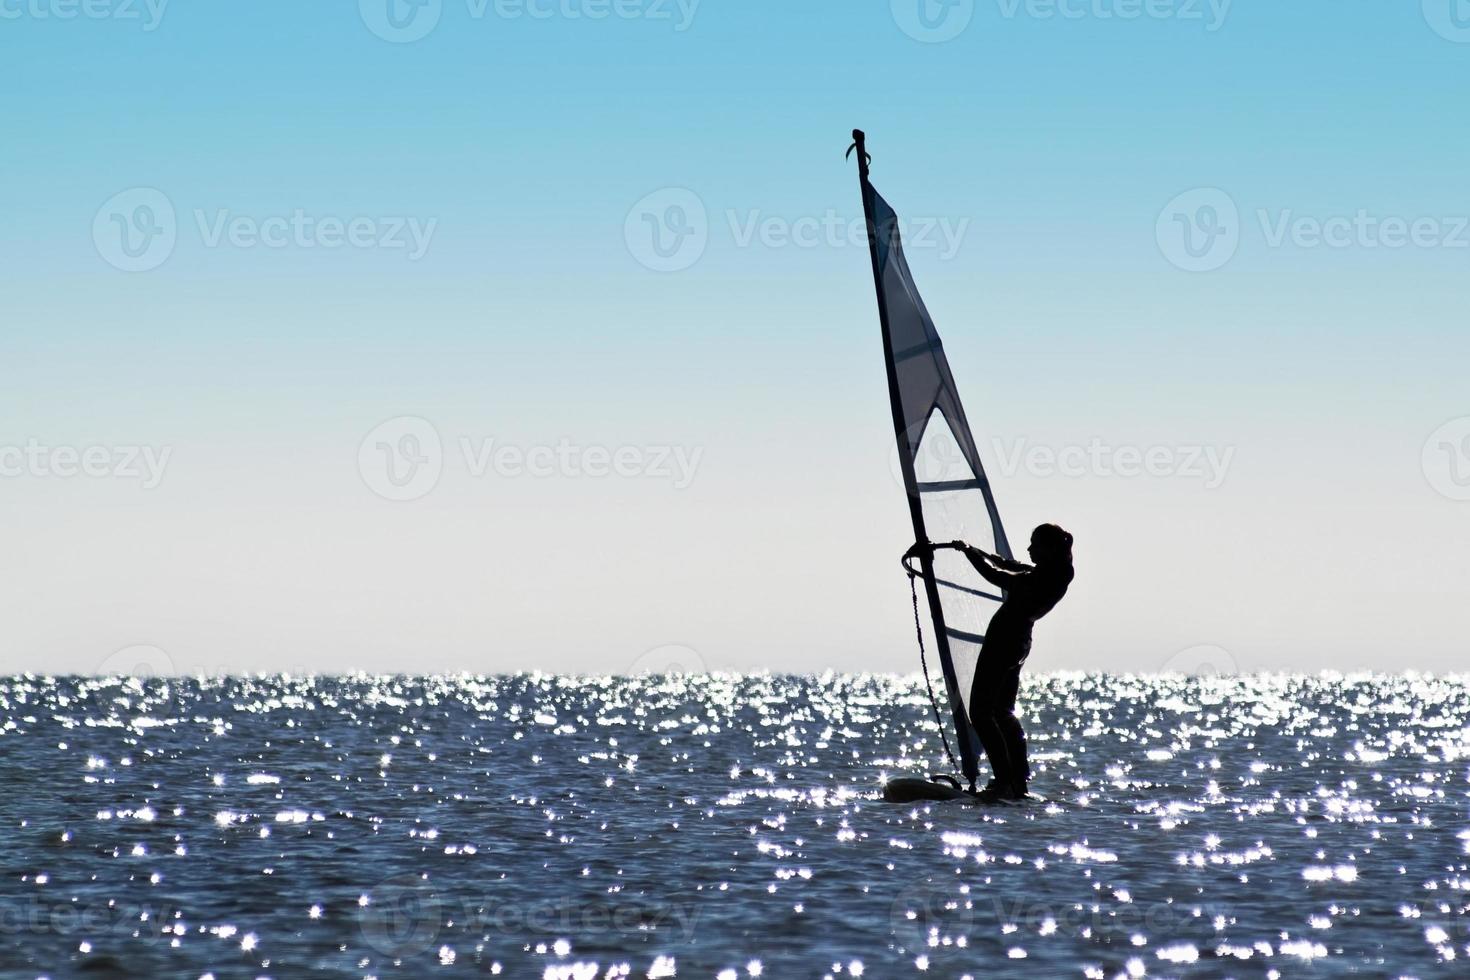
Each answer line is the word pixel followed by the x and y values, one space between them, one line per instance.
pixel 520 147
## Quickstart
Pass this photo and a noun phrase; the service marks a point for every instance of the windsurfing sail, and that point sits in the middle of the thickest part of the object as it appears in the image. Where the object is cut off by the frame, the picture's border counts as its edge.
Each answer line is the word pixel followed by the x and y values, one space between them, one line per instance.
pixel 948 493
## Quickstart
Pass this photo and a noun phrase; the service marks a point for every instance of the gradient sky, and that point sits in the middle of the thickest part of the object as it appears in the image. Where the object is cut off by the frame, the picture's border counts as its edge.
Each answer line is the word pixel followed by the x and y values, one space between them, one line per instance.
pixel 1074 146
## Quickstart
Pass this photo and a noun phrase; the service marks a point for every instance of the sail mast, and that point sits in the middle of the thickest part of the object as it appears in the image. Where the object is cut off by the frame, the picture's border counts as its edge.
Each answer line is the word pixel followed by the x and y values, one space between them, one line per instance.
pixel 968 761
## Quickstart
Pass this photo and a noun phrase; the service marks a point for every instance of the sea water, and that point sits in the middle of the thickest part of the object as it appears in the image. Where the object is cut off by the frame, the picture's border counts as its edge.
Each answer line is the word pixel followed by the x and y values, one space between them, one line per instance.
pixel 727 827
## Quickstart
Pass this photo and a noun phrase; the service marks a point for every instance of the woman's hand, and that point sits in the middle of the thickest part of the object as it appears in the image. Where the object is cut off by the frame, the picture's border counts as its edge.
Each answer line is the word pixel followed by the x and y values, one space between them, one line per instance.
pixel 922 548
pixel 928 548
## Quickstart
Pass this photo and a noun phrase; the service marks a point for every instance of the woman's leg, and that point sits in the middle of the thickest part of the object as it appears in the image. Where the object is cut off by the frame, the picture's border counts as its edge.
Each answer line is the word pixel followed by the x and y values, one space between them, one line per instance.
pixel 1011 731
pixel 988 708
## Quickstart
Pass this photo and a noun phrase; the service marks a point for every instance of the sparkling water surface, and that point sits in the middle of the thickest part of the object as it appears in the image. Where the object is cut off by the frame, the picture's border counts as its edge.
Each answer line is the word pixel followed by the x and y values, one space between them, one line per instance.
pixel 727 827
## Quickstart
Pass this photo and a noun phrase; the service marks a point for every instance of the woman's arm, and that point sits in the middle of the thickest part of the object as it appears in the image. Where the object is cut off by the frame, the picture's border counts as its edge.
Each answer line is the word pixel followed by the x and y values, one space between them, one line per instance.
pixel 998 571
pixel 1010 564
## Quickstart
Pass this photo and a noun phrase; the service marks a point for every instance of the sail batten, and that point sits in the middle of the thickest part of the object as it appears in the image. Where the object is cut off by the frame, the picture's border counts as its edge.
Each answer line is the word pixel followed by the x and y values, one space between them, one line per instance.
pixel 949 495
pixel 949 486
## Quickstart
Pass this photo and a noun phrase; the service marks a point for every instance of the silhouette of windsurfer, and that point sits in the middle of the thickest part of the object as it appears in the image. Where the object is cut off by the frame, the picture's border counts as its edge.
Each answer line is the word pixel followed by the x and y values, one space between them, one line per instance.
pixel 1031 592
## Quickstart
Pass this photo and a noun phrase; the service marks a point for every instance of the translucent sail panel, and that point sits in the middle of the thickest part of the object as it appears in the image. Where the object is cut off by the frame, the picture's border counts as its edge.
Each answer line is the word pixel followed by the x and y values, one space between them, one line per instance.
pixel 927 393
pixel 955 509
